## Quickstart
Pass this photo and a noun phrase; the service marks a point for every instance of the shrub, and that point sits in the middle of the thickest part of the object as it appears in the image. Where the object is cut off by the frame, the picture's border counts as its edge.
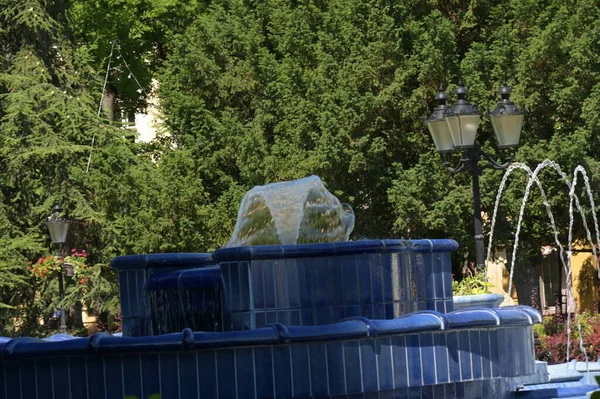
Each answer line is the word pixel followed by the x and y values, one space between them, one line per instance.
pixel 553 339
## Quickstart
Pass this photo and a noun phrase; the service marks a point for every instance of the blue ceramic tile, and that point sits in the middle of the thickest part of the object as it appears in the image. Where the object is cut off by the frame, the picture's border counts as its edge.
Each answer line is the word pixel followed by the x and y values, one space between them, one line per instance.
pixel 450 390
pixel 383 349
pixel 464 348
pixel 244 366
pixel 453 355
pixel 283 317
pixel 124 294
pixel 386 260
pixel 441 357
pixel 404 280
pixel 113 371
pixel 228 300
pixel 427 392
pixel 401 393
pixel 427 358
pixel 353 310
pixel 353 367
pixel 301 373
pixel 258 285
pixel 95 376
pixel 60 375
pixel 368 360
pixel 307 317
pixel 305 282
pixel 337 313
pixel 188 374
pixel 322 316
pixel 319 285
pixel 269 284
pixel 294 316
pixel 281 292
pixel 169 375
pixel 291 268
pixel 11 374
pixel 473 389
pixel 150 375
pixel 421 277
pixel 227 322
pixel 415 370
pixel 378 311
pixel 439 306
pixel 335 282
pixel 132 378
pixel 225 373
pixel 350 278
pixel 364 279
pixel 367 311
pixel 263 364
pixel 449 306
pixel 476 359
pixel 244 284
pixel 260 318
pixel 28 386
pixel 415 393
pixel 447 275
pixel 336 368
pixel 389 310
pixel 399 356
pixel 319 378
pixel 271 317
pixel 495 352
pixel 438 392
pixel 377 278
pixel 248 321
pixel 486 353
pixel 460 390
pixel 282 366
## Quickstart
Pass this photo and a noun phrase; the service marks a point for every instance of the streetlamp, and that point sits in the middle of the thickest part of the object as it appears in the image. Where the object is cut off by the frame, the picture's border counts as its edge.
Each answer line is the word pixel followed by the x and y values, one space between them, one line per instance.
pixel 453 129
pixel 59 228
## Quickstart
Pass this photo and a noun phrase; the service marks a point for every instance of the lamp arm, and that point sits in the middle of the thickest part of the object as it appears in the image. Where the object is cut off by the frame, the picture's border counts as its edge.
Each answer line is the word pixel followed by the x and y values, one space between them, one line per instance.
pixel 454 169
pixel 495 164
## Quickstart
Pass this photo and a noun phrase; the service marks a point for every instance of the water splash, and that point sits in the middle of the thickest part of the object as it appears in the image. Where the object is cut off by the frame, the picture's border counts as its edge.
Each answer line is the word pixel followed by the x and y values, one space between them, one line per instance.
pixel 566 262
pixel 294 212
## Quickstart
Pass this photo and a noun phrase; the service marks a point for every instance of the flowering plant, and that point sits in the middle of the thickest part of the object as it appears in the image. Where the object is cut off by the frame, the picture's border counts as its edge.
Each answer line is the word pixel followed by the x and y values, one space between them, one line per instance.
pixel 76 261
pixel 44 267
pixel 81 270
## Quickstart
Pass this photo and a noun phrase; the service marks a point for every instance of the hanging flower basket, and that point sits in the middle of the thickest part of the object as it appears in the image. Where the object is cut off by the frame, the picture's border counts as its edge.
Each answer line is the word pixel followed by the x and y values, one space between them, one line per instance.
pixel 74 265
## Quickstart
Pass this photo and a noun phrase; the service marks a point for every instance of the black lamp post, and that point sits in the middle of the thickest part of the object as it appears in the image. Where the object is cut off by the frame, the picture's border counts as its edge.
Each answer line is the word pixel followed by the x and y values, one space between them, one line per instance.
pixel 453 129
pixel 59 228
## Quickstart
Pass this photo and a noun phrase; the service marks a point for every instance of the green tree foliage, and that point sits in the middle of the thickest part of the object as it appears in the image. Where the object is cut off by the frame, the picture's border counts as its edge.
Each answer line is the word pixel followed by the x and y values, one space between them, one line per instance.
pixel 254 92
pixel 268 91
pixel 48 101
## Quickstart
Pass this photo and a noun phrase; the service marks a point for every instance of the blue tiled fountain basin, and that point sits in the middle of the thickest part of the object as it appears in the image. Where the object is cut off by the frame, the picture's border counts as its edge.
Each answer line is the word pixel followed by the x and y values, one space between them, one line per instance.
pixel 311 284
pixel 427 354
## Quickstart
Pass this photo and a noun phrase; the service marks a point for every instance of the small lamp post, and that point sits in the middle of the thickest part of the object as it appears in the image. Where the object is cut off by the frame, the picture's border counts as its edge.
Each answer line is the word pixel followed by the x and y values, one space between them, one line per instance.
pixel 454 129
pixel 59 228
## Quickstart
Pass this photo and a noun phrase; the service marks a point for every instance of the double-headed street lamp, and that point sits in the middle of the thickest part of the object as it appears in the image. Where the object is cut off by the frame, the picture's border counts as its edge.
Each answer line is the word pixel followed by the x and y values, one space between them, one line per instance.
pixel 454 129
pixel 59 228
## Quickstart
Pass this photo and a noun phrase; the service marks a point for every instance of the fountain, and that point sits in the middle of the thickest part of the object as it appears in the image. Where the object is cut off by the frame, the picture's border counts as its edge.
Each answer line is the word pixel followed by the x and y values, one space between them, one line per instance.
pixel 358 319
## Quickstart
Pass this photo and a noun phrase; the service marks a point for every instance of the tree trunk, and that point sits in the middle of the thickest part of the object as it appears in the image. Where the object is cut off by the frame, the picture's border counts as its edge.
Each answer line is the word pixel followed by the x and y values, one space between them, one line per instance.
pixel 109 102
pixel 526 281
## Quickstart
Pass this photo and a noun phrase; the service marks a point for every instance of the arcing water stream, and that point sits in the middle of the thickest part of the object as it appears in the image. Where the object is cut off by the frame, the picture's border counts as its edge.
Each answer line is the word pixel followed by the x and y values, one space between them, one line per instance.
pixel 566 262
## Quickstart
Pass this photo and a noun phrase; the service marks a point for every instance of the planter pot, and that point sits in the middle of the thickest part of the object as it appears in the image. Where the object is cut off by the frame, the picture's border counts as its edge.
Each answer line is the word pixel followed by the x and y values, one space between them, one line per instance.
pixel 68 269
pixel 482 300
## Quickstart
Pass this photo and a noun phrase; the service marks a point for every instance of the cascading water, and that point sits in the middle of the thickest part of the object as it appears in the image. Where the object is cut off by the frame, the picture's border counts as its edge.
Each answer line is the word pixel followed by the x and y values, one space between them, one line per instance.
pixel 294 212
pixel 533 178
pixel 189 298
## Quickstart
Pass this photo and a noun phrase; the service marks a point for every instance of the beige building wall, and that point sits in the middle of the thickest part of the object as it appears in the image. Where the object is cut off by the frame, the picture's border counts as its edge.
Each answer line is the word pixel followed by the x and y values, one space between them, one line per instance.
pixel 584 279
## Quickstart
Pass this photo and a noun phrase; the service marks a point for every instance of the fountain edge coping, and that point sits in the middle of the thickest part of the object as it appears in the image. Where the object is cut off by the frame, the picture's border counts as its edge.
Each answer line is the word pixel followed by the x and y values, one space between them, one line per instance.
pixel 349 329
pixel 333 249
